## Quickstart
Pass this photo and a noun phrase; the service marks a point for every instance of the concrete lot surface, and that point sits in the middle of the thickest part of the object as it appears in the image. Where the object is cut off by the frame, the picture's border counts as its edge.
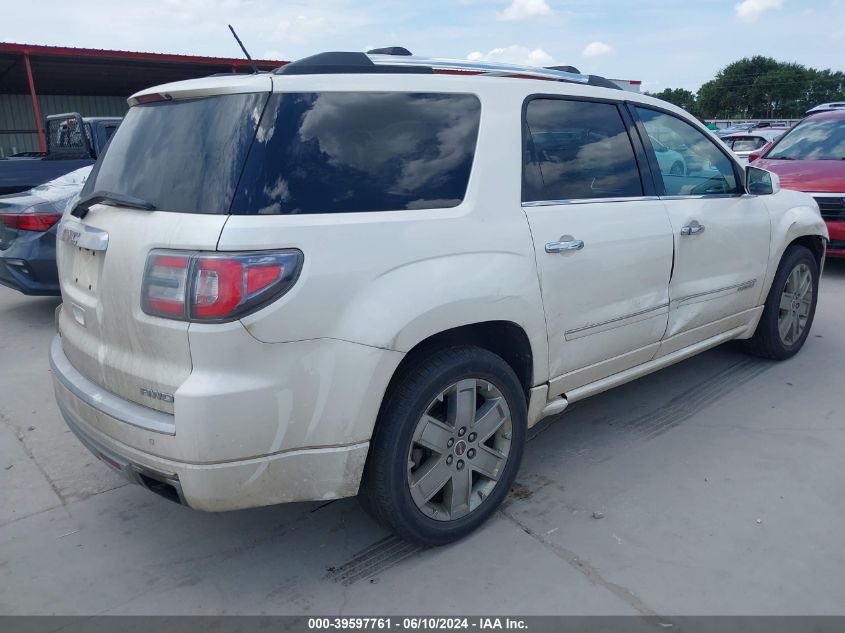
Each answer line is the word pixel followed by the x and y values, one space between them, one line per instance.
pixel 719 484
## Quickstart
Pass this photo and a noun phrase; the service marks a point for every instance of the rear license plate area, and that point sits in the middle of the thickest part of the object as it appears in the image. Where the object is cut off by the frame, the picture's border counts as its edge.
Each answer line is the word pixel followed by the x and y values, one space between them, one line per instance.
pixel 86 269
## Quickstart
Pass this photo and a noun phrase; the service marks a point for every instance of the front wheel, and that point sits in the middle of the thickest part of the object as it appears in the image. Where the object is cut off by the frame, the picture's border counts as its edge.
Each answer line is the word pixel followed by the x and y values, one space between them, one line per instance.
pixel 790 307
pixel 447 446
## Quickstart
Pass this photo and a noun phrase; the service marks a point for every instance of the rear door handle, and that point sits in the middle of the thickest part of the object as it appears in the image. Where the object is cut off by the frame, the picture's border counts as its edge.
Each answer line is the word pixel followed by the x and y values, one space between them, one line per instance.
pixel 560 247
pixel 692 229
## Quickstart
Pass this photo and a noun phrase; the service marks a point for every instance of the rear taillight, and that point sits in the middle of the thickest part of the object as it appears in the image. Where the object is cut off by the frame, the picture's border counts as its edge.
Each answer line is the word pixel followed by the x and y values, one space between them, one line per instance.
pixel 29 221
pixel 757 153
pixel 215 287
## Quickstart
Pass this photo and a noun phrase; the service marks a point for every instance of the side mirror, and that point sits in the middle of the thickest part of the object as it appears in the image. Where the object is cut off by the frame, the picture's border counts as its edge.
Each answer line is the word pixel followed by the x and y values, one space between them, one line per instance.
pixel 761 182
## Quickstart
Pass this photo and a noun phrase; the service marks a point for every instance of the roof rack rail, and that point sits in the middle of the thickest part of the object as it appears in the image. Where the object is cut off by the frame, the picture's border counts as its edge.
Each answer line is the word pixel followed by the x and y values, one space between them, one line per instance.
pixel 345 63
pixel 390 50
pixel 569 69
pixel 478 68
pixel 399 60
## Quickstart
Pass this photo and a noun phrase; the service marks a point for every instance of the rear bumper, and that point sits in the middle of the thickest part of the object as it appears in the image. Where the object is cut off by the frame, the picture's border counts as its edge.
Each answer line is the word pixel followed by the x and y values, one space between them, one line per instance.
pixel 29 264
pixel 311 473
pixel 17 274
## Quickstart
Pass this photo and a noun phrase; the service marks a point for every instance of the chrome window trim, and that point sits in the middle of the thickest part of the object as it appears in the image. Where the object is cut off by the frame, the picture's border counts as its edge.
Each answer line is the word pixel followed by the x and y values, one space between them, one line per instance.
pixel 104 401
pixel 706 196
pixel 702 196
pixel 550 203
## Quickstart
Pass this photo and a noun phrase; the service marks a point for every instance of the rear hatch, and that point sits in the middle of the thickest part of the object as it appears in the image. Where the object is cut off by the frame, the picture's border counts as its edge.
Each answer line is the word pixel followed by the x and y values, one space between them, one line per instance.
pixel 180 150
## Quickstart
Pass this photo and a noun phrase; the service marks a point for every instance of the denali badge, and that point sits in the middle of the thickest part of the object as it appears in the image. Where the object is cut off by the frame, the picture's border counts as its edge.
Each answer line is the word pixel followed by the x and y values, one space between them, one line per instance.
pixel 156 395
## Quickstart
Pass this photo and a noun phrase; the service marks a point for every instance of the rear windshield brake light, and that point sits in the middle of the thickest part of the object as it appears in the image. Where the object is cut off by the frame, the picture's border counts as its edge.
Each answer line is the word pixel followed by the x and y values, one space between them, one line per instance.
pixel 153 98
pixel 216 287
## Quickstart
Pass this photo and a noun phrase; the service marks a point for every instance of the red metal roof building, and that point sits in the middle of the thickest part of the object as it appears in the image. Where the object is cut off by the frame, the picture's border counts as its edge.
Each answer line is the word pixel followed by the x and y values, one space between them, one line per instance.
pixel 36 81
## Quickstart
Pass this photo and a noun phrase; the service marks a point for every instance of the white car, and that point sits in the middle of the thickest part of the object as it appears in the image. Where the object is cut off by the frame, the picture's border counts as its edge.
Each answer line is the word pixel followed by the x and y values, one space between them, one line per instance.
pixel 744 143
pixel 370 275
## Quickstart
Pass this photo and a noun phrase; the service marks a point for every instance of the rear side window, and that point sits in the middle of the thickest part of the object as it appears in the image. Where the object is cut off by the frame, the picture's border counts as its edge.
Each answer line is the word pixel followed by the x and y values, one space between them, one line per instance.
pixel 184 155
pixel 745 143
pixel 577 150
pixel 343 152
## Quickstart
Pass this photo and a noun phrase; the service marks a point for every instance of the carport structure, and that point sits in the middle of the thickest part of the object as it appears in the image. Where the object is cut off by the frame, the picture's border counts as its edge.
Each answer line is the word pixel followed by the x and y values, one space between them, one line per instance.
pixel 36 80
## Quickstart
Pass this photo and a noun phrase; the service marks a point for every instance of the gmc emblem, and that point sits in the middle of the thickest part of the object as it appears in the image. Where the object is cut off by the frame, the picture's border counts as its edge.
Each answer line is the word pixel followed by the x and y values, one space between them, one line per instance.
pixel 70 235
pixel 157 395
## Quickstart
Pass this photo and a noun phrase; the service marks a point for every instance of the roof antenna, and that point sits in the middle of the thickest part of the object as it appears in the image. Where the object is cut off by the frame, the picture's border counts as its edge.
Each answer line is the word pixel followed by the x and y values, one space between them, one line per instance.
pixel 243 48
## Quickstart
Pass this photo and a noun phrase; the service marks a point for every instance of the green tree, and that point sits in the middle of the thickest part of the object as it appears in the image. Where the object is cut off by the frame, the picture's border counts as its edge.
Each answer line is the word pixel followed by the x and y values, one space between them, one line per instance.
pixel 680 97
pixel 761 87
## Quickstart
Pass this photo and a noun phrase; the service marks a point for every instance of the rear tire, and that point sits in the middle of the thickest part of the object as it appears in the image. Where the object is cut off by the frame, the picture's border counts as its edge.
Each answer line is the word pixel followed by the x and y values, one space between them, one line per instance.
pixel 677 169
pixel 790 307
pixel 447 446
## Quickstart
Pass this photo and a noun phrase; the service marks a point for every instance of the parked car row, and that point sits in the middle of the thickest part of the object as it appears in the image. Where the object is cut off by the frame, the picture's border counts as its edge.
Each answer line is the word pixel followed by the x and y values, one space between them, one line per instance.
pixel 750 126
pixel 278 287
pixel 744 143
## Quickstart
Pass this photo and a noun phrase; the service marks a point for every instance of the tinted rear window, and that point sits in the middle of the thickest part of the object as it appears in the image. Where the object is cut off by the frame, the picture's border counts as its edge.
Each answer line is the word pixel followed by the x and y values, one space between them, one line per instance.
pixel 331 152
pixel 341 152
pixel 183 155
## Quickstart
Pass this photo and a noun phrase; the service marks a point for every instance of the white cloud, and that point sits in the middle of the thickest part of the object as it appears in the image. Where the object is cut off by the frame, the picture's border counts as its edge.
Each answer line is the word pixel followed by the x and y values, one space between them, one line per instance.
pixel 521 9
pixel 594 49
pixel 750 10
pixel 514 54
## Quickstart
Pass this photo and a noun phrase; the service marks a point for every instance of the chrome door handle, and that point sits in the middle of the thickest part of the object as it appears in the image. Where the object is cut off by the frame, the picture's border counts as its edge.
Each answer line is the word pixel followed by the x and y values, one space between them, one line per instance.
pixel 692 229
pixel 560 247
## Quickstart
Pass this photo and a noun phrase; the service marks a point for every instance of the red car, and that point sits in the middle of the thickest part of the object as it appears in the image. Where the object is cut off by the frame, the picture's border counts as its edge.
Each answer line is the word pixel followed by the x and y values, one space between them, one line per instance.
pixel 811 158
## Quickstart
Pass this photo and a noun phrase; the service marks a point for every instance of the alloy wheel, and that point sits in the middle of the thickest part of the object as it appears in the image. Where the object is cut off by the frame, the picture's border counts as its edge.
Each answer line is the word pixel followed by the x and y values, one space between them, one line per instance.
pixel 796 301
pixel 458 450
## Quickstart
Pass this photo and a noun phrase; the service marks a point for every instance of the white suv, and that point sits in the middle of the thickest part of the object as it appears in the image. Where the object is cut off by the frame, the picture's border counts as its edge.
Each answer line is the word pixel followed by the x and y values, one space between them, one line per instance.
pixel 371 274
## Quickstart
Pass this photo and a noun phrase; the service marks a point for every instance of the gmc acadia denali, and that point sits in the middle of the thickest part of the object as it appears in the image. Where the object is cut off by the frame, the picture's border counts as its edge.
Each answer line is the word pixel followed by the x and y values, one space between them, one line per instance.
pixel 371 274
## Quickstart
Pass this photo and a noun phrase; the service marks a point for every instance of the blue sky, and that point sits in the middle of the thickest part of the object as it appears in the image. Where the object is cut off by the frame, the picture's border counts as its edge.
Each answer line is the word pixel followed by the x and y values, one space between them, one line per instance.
pixel 661 42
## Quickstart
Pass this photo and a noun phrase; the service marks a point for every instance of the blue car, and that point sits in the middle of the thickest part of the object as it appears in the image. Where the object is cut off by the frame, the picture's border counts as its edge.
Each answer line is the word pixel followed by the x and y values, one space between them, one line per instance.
pixel 28 222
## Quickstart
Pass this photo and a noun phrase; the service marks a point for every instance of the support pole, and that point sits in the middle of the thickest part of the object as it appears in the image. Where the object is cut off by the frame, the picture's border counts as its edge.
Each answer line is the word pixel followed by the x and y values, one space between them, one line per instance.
pixel 36 111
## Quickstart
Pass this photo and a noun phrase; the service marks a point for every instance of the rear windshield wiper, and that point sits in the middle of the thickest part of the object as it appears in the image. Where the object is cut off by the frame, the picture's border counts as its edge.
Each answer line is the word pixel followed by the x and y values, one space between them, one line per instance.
pixel 80 209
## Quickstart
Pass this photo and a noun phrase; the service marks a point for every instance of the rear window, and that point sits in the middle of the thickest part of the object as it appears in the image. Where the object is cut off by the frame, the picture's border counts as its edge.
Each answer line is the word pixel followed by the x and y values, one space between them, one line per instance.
pixel 745 143
pixel 184 155
pixel 342 152
pixel 330 152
